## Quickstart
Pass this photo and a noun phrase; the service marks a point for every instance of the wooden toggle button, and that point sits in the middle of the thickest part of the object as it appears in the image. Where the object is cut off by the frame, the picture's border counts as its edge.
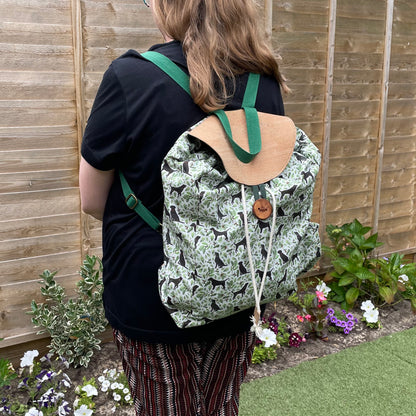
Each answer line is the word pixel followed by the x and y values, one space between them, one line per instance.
pixel 262 209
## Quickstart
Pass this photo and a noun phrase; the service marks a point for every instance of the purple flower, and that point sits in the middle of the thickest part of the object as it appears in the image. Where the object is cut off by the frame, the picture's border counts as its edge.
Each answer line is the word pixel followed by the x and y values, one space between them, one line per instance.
pixel 350 324
pixel 346 331
pixel 334 320
pixel 330 311
pixel 338 323
pixel 295 340
pixel 343 324
pixel 349 316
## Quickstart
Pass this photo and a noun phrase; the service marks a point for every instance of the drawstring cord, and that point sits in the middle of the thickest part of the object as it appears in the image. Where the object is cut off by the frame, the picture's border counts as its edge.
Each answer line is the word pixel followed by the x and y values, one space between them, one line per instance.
pixel 257 293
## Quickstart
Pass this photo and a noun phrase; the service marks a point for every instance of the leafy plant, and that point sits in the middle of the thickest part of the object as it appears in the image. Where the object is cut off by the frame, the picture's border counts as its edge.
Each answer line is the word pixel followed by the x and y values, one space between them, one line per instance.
pixel 312 306
pixel 85 396
pixel 371 315
pixel 266 351
pixel 359 275
pixel 7 373
pixel 73 324
pixel 340 321
pixel 39 389
pixel 115 384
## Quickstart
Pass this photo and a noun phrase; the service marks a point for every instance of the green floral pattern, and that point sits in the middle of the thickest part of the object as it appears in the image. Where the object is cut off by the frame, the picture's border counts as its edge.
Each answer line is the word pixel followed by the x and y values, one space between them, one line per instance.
pixel 206 274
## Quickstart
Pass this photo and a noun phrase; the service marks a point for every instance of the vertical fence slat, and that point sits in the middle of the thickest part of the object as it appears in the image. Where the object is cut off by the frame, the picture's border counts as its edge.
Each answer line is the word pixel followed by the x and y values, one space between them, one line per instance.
pixel 383 112
pixel 332 22
pixel 80 105
pixel 268 19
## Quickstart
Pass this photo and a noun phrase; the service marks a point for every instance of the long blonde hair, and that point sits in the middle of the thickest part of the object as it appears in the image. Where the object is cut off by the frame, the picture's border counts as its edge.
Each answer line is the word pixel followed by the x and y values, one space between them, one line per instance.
pixel 220 39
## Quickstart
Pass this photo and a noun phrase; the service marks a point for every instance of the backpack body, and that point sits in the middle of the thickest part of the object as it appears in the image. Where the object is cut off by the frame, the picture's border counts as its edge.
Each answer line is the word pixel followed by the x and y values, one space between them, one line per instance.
pixel 206 273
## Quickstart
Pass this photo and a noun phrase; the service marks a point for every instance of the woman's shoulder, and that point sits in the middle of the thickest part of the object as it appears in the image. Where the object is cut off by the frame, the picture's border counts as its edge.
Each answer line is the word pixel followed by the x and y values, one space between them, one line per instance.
pixel 132 60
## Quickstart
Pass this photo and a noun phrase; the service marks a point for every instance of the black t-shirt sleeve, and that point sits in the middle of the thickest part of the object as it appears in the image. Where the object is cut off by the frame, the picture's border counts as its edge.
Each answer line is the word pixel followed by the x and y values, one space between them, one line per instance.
pixel 104 137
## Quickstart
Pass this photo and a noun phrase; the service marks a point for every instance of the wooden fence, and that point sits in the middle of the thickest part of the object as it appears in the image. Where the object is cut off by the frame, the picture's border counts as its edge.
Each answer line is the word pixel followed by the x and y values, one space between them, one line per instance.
pixel 351 66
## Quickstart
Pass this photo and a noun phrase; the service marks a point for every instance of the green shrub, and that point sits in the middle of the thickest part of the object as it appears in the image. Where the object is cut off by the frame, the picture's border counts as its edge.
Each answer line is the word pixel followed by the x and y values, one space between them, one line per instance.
pixel 73 324
pixel 358 275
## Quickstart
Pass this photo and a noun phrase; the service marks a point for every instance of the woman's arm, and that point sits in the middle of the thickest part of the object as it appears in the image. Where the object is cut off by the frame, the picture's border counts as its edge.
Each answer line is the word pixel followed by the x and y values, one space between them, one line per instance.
pixel 94 186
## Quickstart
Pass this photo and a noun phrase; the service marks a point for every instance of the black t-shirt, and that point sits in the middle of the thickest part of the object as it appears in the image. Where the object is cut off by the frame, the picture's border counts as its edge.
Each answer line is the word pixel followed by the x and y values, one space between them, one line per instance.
pixel 138 114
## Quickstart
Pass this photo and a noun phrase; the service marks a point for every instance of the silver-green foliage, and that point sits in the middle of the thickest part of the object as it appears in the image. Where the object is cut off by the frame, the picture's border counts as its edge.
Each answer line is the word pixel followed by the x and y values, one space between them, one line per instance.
pixel 73 323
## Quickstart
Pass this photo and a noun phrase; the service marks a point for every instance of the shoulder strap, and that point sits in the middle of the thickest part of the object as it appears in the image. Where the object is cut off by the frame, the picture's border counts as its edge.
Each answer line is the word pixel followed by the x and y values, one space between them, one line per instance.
pixel 135 204
pixel 169 68
pixel 250 94
pixel 249 100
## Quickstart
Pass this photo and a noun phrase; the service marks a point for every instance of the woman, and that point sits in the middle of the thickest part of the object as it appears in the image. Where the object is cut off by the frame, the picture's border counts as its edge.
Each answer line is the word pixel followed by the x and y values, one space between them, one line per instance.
pixel 137 115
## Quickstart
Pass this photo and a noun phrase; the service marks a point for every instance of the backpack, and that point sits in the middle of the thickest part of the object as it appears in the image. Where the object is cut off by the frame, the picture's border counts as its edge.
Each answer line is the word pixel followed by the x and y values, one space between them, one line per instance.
pixel 238 190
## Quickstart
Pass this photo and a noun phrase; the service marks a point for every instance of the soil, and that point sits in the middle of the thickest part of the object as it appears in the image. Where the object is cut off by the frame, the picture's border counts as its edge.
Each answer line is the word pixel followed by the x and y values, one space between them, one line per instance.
pixel 394 318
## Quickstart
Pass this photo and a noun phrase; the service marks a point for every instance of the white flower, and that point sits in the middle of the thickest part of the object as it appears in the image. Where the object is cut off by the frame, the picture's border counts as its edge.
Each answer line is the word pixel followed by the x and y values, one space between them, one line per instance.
pixel 371 316
pixel 322 287
pixel 27 360
pixel 116 397
pixel 48 376
pixel 62 410
pixel 66 380
pixel 113 409
pixel 256 327
pixel 106 384
pixel 268 337
pixel 75 404
pixel 101 379
pixel 90 390
pixel 33 411
pixel 367 306
pixel 125 390
pixel 104 389
pixel 403 278
pixel 83 411
pixel 114 386
pixel 127 398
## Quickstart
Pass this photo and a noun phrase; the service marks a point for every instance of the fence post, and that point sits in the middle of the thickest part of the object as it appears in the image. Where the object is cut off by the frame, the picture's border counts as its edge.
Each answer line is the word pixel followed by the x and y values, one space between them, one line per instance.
pixel 383 112
pixel 332 23
pixel 77 43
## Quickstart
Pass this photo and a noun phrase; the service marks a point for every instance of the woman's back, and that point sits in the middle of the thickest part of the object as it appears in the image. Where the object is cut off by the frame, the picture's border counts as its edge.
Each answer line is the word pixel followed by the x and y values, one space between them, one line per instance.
pixel 133 133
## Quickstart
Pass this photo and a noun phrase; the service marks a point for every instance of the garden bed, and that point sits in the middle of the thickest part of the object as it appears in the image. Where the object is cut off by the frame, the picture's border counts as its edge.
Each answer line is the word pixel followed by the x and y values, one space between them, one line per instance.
pixel 393 319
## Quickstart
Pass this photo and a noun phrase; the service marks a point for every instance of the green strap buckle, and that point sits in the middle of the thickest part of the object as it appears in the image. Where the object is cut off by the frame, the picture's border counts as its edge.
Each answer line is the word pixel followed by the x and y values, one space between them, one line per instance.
pixel 132 201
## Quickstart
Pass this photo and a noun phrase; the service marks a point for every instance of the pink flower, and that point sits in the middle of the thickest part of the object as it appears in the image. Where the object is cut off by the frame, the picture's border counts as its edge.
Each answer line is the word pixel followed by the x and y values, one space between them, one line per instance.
pixel 308 317
pixel 320 295
pixel 300 318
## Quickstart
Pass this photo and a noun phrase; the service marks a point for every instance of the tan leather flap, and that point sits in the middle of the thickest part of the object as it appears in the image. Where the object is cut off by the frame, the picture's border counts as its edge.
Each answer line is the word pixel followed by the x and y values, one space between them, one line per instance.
pixel 278 136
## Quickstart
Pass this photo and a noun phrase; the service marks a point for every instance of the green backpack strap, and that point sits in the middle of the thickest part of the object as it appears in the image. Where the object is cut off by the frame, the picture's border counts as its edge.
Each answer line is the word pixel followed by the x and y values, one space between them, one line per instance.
pixel 252 120
pixel 249 100
pixel 169 68
pixel 135 204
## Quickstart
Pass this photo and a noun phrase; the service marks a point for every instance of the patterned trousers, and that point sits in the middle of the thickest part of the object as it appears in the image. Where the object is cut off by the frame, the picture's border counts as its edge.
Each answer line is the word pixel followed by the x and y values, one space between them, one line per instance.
pixel 195 379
